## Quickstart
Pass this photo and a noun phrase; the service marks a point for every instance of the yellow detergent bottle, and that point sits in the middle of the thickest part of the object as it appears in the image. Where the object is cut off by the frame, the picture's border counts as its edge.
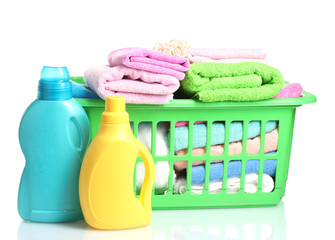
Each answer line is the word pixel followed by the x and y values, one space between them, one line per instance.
pixel 106 179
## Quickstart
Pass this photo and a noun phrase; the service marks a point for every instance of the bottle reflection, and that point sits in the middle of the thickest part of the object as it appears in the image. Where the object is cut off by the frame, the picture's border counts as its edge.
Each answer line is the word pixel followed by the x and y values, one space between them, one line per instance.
pixel 77 230
pixel 239 223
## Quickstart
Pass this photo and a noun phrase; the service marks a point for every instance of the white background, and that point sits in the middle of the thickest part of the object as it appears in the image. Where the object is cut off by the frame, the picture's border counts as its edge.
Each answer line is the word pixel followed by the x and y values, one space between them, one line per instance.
pixel 299 38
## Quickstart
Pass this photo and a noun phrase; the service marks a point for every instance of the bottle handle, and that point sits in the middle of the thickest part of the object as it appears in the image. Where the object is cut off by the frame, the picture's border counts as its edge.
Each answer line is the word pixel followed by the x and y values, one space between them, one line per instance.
pixel 77 130
pixel 83 135
pixel 149 178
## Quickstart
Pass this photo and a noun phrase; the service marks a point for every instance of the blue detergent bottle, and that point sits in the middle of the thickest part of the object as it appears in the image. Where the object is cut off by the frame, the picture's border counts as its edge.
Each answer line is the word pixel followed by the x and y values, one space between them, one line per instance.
pixel 54 134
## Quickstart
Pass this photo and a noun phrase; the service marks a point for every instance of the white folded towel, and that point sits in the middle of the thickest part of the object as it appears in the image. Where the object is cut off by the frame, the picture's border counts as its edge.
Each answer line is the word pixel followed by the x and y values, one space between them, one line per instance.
pixel 144 135
pixel 162 168
pixel 233 185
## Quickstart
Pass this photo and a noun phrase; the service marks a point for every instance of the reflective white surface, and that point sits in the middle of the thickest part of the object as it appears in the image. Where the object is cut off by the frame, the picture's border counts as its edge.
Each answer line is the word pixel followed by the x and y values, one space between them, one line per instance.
pixel 299 36
pixel 243 223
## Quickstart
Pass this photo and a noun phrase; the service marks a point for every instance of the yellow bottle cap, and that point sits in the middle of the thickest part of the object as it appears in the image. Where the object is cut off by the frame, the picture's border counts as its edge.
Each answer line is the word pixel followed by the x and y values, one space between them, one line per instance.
pixel 115 110
pixel 115 104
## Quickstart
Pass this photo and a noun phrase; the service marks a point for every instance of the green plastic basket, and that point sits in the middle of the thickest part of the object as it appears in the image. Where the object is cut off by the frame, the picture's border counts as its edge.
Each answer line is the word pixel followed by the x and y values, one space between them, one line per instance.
pixel 281 110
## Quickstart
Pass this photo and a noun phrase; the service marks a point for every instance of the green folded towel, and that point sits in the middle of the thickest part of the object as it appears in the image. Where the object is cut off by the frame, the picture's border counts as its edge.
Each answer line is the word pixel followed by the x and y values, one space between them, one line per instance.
pixel 217 82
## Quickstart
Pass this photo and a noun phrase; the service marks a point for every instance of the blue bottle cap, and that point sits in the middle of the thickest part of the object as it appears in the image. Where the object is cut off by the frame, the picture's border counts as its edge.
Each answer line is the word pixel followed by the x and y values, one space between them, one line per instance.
pixel 54 84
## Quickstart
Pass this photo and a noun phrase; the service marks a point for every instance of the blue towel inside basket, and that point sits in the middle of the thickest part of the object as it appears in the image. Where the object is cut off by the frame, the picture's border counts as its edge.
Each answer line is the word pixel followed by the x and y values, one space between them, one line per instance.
pixel 234 169
pixel 82 91
pixel 217 133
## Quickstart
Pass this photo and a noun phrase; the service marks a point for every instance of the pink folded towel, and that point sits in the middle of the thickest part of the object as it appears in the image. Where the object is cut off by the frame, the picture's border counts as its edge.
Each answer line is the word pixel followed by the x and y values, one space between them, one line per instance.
pixel 199 59
pixel 149 60
pixel 137 86
pixel 293 90
pixel 223 54
pixel 235 148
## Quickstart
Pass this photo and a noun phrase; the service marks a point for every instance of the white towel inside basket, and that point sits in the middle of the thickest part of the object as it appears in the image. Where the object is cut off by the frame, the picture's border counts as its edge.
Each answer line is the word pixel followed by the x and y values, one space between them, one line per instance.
pixel 162 168
pixel 144 136
pixel 233 185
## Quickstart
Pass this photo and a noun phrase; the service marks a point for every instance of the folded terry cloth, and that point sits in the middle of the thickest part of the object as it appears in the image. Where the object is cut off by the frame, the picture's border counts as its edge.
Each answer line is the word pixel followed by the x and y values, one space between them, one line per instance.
pixel 234 169
pixel 162 168
pixel 162 171
pixel 83 91
pixel 228 53
pixel 253 147
pixel 137 86
pixel 246 81
pixel 150 60
pixel 144 136
pixel 217 133
pixel 233 185
pixel 293 90
pixel 199 59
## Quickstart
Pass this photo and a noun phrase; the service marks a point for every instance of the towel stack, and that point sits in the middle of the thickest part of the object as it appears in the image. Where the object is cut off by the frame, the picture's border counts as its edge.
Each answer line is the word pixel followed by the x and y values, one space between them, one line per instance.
pixel 219 75
pixel 217 148
pixel 146 76
pixel 142 76
pixel 231 74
